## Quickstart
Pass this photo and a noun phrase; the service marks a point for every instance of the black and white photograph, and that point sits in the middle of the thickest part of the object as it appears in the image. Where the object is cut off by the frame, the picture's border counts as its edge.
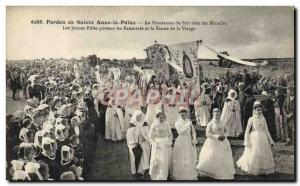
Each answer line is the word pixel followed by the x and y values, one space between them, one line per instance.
pixel 150 93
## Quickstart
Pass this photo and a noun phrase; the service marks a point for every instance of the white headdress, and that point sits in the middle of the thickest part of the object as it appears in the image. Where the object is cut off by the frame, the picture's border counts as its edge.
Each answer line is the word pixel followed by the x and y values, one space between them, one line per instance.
pixel 67 149
pixel 59 133
pixel 17 164
pixel 231 91
pixel 48 141
pixel 38 135
pixel 31 167
pixel 134 116
pixel 264 93
pixel 23 134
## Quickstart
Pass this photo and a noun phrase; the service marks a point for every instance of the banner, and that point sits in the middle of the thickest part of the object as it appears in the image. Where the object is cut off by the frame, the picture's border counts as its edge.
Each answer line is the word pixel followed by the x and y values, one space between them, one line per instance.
pixel 183 58
pixel 156 55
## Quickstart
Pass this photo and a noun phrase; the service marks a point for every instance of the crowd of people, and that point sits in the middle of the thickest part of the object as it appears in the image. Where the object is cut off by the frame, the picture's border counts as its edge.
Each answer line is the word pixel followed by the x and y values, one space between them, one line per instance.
pixel 71 105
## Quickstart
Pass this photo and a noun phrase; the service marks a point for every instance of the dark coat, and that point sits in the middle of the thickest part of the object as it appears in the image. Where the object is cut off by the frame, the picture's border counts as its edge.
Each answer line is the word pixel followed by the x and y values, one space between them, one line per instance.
pixel 269 114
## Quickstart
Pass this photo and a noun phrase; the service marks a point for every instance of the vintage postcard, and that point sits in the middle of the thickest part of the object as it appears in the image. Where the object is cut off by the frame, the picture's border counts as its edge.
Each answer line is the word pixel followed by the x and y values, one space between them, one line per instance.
pixel 150 93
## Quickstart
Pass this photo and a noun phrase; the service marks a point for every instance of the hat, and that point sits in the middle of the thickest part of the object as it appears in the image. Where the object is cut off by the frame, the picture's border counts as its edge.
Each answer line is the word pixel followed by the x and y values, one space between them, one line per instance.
pixel 264 93
pixel 47 125
pixel 64 111
pixel 56 99
pixel 216 110
pixel 59 132
pixel 38 135
pixel 182 109
pixel 82 106
pixel 32 77
pixel 232 91
pixel 75 119
pixel 67 149
pixel 26 122
pixel 32 167
pixel 23 134
pixel 257 104
pixel 69 175
pixel 58 121
pixel 28 110
pixel 80 91
pixel 159 112
pixel 47 141
pixel 17 164
pixel 95 85
pixel 241 84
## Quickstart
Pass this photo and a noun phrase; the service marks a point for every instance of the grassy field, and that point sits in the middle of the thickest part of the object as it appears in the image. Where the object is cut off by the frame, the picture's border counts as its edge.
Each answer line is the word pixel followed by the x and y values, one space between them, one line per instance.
pixel 112 158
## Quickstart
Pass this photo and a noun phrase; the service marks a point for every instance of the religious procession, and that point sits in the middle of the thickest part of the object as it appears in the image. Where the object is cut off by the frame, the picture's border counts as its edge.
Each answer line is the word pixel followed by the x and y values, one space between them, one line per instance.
pixel 178 119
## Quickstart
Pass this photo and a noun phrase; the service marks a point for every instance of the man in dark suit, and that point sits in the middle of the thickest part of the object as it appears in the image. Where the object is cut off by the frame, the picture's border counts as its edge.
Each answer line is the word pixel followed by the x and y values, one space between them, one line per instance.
pixel 289 116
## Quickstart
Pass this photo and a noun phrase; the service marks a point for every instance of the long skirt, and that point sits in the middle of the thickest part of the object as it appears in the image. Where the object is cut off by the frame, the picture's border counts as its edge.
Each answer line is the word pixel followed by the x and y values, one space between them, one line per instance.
pixel 278 120
pixel 160 162
pixel 145 157
pixel 113 128
pixel 203 115
pixel 150 114
pixel 215 159
pixel 257 158
pixel 184 159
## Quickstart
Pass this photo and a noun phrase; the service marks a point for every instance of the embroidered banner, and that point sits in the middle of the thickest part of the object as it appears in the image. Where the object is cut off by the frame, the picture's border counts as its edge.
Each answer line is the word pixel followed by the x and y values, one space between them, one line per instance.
pixel 156 55
pixel 183 58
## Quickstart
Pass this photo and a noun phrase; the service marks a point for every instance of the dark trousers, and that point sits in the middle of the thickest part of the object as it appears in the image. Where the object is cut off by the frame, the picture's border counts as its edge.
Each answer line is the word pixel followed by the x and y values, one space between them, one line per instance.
pixel 289 130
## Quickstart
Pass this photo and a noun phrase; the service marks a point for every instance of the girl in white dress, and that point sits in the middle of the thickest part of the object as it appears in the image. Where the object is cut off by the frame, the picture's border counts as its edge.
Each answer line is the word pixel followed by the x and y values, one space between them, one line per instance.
pixel 152 105
pixel 215 159
pixel 114 124
pixel 138 143
pixel 131 106
pixel 202 109
pixel 257 157
pixel 171 110
pixel 231 114
pixel 184 151
pixel 160 136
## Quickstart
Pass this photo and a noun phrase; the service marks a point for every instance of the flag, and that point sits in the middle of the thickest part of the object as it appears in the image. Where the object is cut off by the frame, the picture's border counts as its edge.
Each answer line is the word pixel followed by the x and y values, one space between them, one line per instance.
pixel 156 55
pixel 183 58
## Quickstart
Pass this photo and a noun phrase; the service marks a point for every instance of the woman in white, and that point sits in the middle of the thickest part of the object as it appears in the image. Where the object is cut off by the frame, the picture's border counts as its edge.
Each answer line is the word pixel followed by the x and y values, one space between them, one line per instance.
pixel 202 109
pixel 138 137
pixel 152 104
pixel 257 157
pixel 131 105
pixel 170 108
pixel 215 159
pixel 160 136
pixel 231 114
pixel 184 151
pixel 114 125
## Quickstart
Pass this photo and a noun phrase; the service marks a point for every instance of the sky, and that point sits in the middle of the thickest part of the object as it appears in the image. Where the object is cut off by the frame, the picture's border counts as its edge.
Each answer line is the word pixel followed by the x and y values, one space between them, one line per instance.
pixel 251 32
